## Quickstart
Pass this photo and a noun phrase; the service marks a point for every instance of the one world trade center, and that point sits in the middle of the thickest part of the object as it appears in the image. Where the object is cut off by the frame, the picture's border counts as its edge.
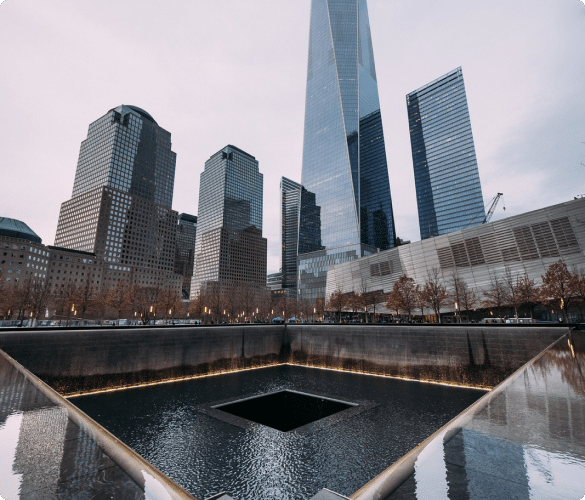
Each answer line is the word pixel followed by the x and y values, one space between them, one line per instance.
pixel 345 174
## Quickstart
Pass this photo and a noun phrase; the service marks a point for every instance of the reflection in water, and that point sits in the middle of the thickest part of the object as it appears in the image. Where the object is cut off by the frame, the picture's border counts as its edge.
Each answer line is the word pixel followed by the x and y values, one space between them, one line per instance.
pixel 553 473
pixel 45 455
pixel 526 442
pixel 9 432
pixel 431 474
pixel 168 426
pixel 153 490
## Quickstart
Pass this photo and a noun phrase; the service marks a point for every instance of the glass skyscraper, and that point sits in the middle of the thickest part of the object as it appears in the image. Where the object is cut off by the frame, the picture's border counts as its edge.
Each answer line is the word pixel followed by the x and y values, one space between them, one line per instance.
pixel 290 193
pixel 344 156
pixel 185 250
pixel 229 248
pixel 448 190
pixel 120 207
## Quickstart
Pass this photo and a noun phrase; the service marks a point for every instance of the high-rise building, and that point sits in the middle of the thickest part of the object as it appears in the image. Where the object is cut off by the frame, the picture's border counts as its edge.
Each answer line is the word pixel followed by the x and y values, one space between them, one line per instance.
pixel 185 250
pixel 448 191
pixel 344 156
pixel 120 208
pixel 229 248
pixel 290 194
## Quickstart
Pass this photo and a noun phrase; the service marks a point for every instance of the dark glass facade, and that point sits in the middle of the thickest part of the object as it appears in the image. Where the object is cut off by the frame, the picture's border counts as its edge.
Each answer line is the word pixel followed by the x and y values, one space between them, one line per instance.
pixel 448 190
pixel 290 193
pixel 185 250
pixel 344 156
pixel 229 247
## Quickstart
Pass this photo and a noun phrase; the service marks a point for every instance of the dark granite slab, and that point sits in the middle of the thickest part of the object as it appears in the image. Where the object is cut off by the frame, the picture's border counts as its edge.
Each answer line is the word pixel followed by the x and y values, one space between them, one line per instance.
pixel 523 441
pixel 45 455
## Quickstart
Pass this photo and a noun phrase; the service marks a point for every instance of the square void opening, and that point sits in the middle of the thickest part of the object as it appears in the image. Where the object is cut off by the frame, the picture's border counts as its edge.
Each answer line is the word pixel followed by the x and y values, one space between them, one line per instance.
pixel 285 410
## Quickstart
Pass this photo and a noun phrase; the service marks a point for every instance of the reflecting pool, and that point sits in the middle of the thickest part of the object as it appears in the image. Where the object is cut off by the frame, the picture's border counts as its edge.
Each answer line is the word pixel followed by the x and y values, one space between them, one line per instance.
pixel 176 427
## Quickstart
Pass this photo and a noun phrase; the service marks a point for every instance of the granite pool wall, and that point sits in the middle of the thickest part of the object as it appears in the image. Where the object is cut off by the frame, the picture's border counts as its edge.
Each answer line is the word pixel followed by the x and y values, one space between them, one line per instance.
pixel 78 361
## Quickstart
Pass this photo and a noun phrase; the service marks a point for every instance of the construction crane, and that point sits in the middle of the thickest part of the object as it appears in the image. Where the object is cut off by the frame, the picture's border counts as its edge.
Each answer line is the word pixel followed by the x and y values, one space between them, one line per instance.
pixel 492 208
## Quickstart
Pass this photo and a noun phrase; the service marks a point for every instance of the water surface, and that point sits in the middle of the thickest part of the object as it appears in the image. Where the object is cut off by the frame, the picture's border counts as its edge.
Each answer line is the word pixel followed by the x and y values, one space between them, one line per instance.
pixel 169 426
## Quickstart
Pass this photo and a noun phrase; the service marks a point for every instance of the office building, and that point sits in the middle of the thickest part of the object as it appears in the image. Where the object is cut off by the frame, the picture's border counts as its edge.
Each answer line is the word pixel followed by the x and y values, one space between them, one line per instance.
pixel 23 256
pixel 526 243
pixel 448 191
pixel 274 281
pixel 120 209
pixel 290 193
pixel 185 250
pixel 229 248
pixel 344 156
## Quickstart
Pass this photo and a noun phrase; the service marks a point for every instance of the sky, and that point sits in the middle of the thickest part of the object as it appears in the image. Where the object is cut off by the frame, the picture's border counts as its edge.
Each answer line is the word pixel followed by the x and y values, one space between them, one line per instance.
pixel 223 72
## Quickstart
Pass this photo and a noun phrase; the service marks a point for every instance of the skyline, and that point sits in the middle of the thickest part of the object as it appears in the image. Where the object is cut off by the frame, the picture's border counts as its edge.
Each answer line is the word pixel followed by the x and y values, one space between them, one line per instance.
pixel 244 84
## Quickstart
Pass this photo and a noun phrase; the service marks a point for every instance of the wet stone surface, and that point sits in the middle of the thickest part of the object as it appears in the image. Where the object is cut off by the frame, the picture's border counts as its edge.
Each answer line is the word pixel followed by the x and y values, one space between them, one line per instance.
pixel 172 427
pixel 528 442
pixel 44 455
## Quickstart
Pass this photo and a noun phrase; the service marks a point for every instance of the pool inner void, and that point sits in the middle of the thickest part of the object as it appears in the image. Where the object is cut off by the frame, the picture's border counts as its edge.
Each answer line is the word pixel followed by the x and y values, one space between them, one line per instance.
pixel 285 410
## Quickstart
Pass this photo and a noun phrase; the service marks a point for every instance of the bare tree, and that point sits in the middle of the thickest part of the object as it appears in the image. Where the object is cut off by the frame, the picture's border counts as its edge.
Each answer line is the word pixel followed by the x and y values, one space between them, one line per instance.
pixel 247 300
pixel 40 297
pixel 580 289
pixel 197 306
pixel 144 301
pixel 496 295
pixel 560 287
pixel 337 303
pixel 520 290
pixel 319 307
pixel 404 295
pixel 170 302
pixel 457 286
pixel 462 297
pixel 8 299
pixel 21 297
pixel 215 302
pixel 373 299
pixel 469 299
pixel 100 303
pixel 264 301
pixel 355 302
pixel 528 291
pixel 231 302
pixel 434 293
pixel 86 297
pixel 393 302
pixel 118 297
pixel 65 299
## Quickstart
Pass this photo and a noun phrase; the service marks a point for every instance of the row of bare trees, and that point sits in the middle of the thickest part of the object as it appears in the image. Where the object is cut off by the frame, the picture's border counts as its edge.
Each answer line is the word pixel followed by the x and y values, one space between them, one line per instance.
pixel 31 299
pixel 561 289
pixel 243 303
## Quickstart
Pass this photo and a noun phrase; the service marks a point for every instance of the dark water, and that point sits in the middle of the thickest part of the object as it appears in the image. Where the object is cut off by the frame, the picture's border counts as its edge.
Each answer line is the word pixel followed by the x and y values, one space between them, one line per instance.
pixel 166 425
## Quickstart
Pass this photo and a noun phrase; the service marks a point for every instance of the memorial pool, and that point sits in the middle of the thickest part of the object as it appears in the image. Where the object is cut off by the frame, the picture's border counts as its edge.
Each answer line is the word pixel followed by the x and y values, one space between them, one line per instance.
pixel 179 428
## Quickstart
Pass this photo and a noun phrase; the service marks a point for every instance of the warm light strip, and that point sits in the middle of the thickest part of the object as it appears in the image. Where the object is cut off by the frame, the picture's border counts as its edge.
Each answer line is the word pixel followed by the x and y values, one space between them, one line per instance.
pixel 487 389
pixel 168 381
pixel 179 379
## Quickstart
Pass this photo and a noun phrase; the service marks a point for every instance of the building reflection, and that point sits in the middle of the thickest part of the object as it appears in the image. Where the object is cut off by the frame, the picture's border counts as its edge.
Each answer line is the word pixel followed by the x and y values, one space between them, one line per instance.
pixel 527 442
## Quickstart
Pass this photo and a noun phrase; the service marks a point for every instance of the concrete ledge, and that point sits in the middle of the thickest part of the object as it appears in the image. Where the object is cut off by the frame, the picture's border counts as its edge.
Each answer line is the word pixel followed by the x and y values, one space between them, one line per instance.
pixel 383 485
pixel 153 482
pixel 82 361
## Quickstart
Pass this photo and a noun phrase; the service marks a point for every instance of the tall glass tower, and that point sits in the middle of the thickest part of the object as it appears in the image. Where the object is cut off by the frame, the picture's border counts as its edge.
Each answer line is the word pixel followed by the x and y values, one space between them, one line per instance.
pixel 290 194
pixel 344 156
pixel 448 191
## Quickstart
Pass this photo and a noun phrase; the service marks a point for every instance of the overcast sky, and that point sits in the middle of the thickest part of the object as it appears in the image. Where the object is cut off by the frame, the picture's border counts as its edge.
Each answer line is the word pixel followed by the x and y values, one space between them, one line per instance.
pixel 232 72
